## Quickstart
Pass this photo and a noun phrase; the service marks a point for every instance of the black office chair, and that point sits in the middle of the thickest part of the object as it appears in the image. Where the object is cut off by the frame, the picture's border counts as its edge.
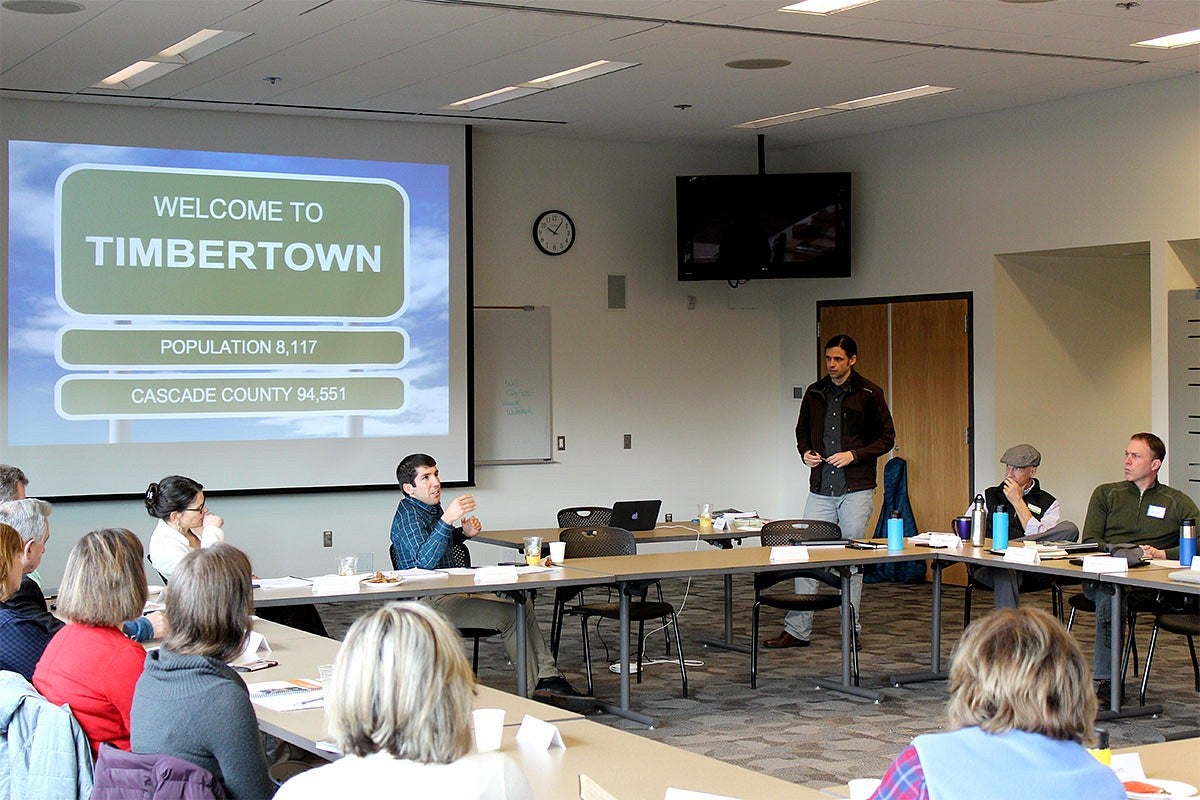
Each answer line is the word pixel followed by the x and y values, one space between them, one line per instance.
pixel 1136 602
pixel 580 516
pixel 594 542
pixel 462 558
pixel 1032 583
pixel 1184 622
pixel 782 533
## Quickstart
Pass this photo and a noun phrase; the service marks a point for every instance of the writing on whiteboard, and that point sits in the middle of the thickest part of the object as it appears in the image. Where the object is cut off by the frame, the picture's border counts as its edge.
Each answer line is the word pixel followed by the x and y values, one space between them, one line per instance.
pixel 515 398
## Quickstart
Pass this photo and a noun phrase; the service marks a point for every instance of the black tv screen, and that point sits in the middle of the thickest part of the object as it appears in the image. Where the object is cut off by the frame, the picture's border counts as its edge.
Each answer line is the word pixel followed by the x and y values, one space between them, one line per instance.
pixel 741 227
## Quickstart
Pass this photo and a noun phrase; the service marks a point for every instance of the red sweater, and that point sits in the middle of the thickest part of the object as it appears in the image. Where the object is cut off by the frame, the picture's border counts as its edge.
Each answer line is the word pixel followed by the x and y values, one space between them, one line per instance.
pixel 94 670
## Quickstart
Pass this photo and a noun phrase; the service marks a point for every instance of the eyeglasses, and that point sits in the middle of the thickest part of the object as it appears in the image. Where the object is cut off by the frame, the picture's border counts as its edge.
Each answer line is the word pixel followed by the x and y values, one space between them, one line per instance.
pixel 203 507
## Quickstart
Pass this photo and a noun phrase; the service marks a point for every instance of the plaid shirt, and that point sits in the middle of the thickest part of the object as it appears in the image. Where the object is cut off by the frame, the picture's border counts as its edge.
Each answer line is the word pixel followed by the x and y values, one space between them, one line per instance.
pixel 419 536
pixel 904 780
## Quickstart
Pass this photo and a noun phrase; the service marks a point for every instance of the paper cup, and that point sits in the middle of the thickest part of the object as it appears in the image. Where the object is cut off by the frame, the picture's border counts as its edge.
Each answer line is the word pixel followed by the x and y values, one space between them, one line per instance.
pixel 325 674
pixel 863 788
pixel 558 552
pixel 489 728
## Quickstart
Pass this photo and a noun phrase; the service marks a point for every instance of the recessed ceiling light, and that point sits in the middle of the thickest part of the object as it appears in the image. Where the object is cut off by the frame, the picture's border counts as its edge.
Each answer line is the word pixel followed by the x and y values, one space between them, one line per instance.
pixel 824 6
pixel 200 44
pixel 577 74
pixel 758 63
pixel 1173 40
pixel 42 6
pixel 849 105
pixel 136 74
pixel 491 98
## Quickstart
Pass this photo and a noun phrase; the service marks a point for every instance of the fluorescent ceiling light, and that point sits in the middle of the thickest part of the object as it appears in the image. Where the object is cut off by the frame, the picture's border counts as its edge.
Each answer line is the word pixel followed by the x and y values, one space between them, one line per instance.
pixel 576 74
pixel 136 74
pixel 849 105
pixel 491 98
pixel 1174 40
pixel 783 119
pixel 823 6
pixel 551 81
pixel 891 97
pixel 200 44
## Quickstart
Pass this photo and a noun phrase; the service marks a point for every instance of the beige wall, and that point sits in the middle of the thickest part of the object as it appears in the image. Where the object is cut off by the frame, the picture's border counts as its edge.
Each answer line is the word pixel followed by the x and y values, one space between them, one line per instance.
pixel 1072 365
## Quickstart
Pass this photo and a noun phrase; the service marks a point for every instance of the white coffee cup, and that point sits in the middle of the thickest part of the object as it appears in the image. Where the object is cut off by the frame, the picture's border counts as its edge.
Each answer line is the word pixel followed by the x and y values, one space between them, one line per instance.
pixel 558 552
pixel 863 788
pixel 489 728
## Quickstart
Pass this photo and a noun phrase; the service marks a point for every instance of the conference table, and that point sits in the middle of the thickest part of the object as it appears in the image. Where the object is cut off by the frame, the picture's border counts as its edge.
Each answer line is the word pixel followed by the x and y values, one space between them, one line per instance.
pixel 445 583
pixel 1151 577
pixel 627 765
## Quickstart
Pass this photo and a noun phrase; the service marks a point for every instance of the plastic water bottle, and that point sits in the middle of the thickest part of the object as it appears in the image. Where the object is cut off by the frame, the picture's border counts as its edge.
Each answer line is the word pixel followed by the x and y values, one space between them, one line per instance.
pixel 1187 541
pixel 978 509
pixel 895 532
pixel 1000 528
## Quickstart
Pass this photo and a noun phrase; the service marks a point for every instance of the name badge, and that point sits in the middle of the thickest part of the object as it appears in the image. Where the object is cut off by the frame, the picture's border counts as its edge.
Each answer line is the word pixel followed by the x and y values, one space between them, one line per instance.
pixel 1036 510
pixel 1158 512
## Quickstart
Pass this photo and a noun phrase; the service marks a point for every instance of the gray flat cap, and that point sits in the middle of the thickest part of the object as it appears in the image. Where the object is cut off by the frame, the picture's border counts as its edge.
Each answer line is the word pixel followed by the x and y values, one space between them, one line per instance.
pixel 1021 455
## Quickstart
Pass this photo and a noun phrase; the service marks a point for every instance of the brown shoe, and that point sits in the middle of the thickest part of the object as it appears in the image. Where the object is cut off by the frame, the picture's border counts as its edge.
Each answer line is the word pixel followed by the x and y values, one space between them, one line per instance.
pixel 783 640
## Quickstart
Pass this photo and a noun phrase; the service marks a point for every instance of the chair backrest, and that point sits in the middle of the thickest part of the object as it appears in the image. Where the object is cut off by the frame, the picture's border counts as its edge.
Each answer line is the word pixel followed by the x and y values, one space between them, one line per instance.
pixel 783 532
pixel 594 542
pixel 460 554
pixel 392 556
pixel 135 776
pixel 580 516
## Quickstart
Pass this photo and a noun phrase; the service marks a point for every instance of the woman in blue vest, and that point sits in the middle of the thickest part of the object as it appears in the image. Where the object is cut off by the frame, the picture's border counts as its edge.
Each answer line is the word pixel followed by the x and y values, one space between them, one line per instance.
pixel 1020 713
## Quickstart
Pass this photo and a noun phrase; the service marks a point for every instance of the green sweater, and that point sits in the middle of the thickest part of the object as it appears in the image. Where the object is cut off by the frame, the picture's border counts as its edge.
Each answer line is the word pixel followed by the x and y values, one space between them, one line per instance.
pixel 1119 513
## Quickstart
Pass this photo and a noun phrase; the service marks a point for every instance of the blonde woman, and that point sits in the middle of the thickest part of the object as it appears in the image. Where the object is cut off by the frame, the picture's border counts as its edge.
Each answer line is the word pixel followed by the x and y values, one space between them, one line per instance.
pixel 23 639
pixel 90 663
pixel 399 709
pixel 1020 713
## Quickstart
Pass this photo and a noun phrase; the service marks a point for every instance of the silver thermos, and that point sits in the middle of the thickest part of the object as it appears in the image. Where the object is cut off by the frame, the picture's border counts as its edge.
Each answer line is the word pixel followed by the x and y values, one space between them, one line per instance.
pixel 978 509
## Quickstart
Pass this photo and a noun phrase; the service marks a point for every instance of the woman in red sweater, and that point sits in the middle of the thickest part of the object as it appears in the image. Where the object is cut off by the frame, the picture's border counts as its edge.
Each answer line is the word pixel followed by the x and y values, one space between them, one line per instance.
pixel 90 663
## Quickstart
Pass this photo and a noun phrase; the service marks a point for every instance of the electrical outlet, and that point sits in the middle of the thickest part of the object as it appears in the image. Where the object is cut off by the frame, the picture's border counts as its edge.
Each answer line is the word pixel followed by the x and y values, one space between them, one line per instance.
pixel 562 443
pixel 628 441
pixel 327 539
pixel 691 302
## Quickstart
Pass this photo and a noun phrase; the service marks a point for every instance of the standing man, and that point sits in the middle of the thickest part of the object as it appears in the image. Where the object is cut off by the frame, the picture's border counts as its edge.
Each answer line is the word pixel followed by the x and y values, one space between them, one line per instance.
pixel 843 429
pixel 1138 510
pixel 423 533
pixel 1034 514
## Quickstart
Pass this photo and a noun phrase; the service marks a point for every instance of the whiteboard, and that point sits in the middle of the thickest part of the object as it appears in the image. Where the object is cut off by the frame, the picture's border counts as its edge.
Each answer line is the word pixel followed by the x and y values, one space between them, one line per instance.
pixel 512 385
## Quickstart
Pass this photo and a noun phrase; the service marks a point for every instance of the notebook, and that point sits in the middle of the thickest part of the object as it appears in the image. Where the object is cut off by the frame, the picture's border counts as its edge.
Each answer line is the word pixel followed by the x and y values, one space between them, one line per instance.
pixel 636 515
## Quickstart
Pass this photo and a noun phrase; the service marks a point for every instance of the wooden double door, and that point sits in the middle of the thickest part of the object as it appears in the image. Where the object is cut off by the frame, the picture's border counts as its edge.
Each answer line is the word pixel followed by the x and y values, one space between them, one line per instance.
pixel 919 351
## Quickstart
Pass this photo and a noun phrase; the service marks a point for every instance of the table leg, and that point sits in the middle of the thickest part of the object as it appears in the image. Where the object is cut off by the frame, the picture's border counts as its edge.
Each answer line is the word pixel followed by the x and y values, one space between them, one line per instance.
pixel 727 643
pixel 846 685
pixel 935 672
pixel 522 654
pixel 1118 638
pixel 623 710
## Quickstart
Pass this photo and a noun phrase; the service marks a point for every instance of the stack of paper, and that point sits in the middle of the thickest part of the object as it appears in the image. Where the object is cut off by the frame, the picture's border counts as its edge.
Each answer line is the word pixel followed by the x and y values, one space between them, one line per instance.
pixel 287 695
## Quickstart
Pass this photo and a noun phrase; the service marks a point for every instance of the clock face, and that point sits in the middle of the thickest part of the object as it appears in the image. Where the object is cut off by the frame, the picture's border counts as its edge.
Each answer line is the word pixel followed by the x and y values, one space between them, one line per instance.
pixel 553 232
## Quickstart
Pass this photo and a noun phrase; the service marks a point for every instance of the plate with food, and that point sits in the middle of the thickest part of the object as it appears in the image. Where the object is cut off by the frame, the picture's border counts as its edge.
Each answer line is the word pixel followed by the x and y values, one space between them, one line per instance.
pixel 382 580
pixel 1158 789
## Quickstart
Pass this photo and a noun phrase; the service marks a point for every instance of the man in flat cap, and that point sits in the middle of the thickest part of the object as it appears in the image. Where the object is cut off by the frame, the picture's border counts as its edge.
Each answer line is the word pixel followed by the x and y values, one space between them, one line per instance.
pixel 1033 513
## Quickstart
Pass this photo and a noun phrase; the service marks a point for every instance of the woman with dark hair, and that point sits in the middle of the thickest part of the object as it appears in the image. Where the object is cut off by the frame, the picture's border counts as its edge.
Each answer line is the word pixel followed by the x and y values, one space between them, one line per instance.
pixel 184 521
pixel 90 664
pixel 188 703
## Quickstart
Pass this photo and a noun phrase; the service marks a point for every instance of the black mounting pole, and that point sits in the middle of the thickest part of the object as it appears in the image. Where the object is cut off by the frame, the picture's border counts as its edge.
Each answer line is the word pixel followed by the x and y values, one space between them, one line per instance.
pixel 762 154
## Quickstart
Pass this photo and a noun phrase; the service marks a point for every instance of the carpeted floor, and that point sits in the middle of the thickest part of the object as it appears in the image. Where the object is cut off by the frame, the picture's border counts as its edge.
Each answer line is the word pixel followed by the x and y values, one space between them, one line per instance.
pixel 789 728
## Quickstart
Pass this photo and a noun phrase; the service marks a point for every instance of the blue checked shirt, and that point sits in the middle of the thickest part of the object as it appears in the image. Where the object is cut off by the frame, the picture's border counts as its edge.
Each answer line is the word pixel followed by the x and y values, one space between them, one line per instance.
pixel 420 537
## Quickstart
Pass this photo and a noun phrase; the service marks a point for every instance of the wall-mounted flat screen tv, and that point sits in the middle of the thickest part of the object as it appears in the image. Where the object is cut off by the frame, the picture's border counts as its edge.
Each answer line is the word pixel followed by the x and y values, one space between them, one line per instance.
pixel 742 227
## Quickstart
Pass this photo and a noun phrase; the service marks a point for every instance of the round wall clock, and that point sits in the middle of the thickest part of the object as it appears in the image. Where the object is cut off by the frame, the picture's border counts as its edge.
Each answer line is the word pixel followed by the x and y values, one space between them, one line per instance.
pixel 553 232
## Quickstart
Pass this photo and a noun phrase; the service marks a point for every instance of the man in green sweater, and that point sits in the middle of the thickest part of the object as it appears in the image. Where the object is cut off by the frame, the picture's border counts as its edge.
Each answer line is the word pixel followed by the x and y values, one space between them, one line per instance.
pixel 1138 510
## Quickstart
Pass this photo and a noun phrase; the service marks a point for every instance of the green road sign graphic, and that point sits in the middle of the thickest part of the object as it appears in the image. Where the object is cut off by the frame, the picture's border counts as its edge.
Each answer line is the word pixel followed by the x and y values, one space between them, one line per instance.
pixel 86 397
pixel 207 244
pixel 127 347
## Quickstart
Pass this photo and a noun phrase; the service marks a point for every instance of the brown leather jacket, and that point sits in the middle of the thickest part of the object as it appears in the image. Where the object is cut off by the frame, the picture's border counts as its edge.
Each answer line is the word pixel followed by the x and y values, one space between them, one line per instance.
pixel 866 429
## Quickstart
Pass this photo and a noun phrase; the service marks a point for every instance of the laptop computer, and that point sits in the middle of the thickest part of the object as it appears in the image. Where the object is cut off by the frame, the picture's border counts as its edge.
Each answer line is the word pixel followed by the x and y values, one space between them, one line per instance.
pixel 636 515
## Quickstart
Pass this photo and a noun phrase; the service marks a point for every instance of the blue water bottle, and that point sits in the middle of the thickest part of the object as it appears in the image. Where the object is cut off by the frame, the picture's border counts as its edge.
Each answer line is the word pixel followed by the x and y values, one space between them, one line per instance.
pixel 895 531
pixel 1187 541
pixel 1000 528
